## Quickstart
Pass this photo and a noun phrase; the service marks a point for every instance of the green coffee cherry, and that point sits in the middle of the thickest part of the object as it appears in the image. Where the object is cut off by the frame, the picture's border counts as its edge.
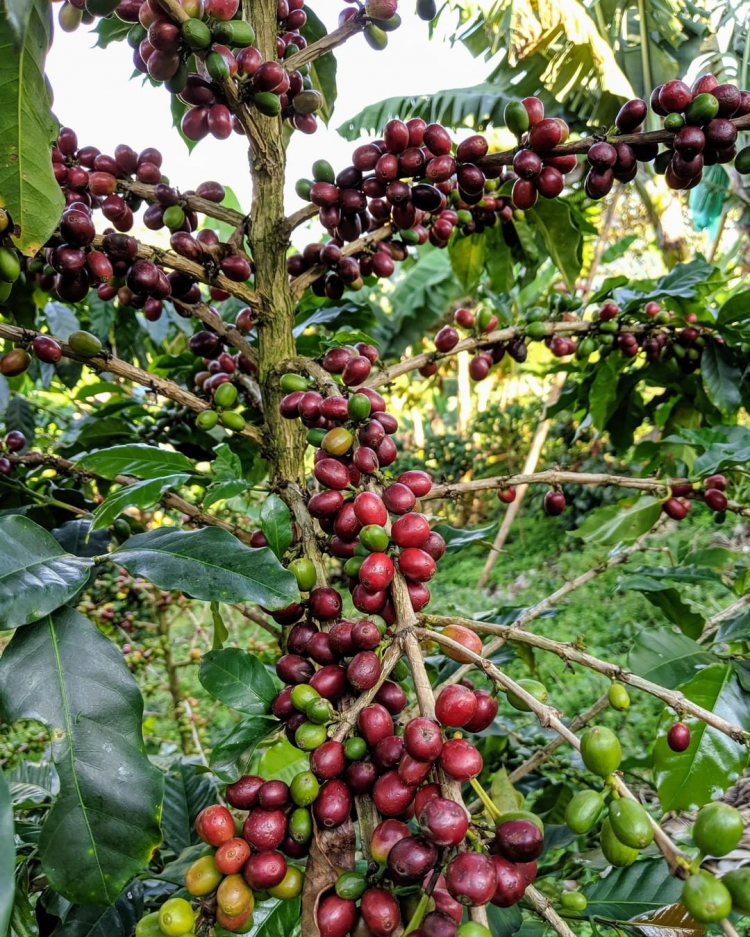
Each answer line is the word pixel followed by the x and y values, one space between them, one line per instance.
pixel 225 395
pixel 304 788
pixel 267 103
pixel 207 419
pixel 320 712
pixel 351 885
pixel 217 67
pixel 717 829
pixel 310 736
pixel 583 810
pixel 573 901
pixel 196 34
pixel 534 687
pixel 355 748
pixel 359 406
pixel 300 825
pixel 374 537
pixel 630 823
pixel 616 852
pixel 323 171
pixel 618 697
pixel 10 265
pixel 84 344
pixel 232 420
pixel 174 217
pixel 352 565
pixel 601 750
pixel 304 572
pixel 738 884
pixel 290 383
pixel 516 118
pixel 302 695
pixel 706 898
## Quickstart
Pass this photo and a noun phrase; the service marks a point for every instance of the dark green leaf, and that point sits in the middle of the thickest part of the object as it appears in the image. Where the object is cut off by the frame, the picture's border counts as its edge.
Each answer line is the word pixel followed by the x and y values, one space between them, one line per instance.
pixel 735 309
pixel 467 256
pixel 562 238
pixel 142 495
pixel 20 416
pixel 456 538
pixel 323 69
pixel 276 524
pixel 628 893
pixel 603 391
pixel 36 574
pixel 238 679
pixel 104 825
pixel 669 599
pixel 504 922
pixel 618 248
pixel 29 190
pixel 712 762
pixel 118 920
pixel 736 628
pixel 721 377
pixel 101 313
pixel 76 537
pixel 623 525
pixel 222 491
pixel 7 855
pixel 499 260
pixel 186 793
pixel 61 320
pixel 230 758
pixel 208 564
pixel 137 459
pixel 227 465
pixel 666 657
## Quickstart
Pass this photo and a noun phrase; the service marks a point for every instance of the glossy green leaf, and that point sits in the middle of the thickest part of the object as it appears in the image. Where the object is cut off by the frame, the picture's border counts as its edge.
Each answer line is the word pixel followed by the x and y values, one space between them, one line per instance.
pixel 281 761
pixel 137 459
pixel 667 658
pixel 276 524
pixel 238 679
pixel 143 495
pixel 230 758
pixel 627 893
pixel 222 491
pixel 554 221
pixel 186 793
pixel 498 260
pixel 456 538
pixel 713 761
pixel 208 564
pixel 323 69
pixel 104 825
pixel 28 189
pixel 721 377
pixel 623 525
pixel 36 574
pixel 7 854
pixel 117 920
pixel 221 632
pixel 504 922
pixel 669 600
pixel 467 256
pixel 19 415
pixel 735 309
pixel 227 465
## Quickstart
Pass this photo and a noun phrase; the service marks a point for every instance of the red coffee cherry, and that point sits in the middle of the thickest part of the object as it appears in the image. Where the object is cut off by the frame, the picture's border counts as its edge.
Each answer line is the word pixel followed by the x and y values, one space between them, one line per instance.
pixel 471 878
pixel 423 739
pixel 455 706
pixel 460 759
pixel 443 822
pixel 215 825
pixel 678 737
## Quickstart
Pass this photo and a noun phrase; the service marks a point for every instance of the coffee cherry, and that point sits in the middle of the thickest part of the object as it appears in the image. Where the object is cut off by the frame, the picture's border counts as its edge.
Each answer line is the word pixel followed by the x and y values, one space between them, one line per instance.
pixel 15 441
pixel 328 760
pixel 630 823
pixel 471 878
pixel 243 794
pixel 375 723
pixel 718 482
pixel 265 829
pixel 706 898
pixel 418 481
pixel 410 859
pixel 455 706
pixel 460 760
pixel 363 671
pixel 601 751
pixel 519 840
pixel 204 875
pixel 423 739
pixel 506 495
pixel 583 810
pixel 487 707
pixel 336 916
pixel 464 637
pixel 264 869
pixel 443 822
pixel 333 805
pixel 175 917
pixel 716 500
pixel 554 503
pixel 717 829
pixel 618 697
pixel 511 883
pixel 385 835
pixel 215 825
pixel 380 912
pixel 390 795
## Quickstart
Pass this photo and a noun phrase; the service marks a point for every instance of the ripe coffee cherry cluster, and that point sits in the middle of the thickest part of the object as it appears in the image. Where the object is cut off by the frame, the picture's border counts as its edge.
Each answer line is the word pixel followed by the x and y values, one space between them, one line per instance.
pixel 91 181
pixel 14 442
pixel 678 503
pixel 47 350
pixel 611 162
pixel 538 172
pixel 699 117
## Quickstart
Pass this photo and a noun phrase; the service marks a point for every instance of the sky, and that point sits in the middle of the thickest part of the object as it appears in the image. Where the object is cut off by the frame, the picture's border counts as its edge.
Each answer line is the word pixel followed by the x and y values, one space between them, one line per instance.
pixel 94 96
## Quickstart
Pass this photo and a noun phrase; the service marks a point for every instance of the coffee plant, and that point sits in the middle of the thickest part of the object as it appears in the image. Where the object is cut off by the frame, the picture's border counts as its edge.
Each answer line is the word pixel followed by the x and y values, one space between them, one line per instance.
pixel 216 428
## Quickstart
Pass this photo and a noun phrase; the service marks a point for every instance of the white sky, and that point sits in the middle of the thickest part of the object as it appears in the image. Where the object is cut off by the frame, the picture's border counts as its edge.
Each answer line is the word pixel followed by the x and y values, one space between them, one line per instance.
pixel 94 96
